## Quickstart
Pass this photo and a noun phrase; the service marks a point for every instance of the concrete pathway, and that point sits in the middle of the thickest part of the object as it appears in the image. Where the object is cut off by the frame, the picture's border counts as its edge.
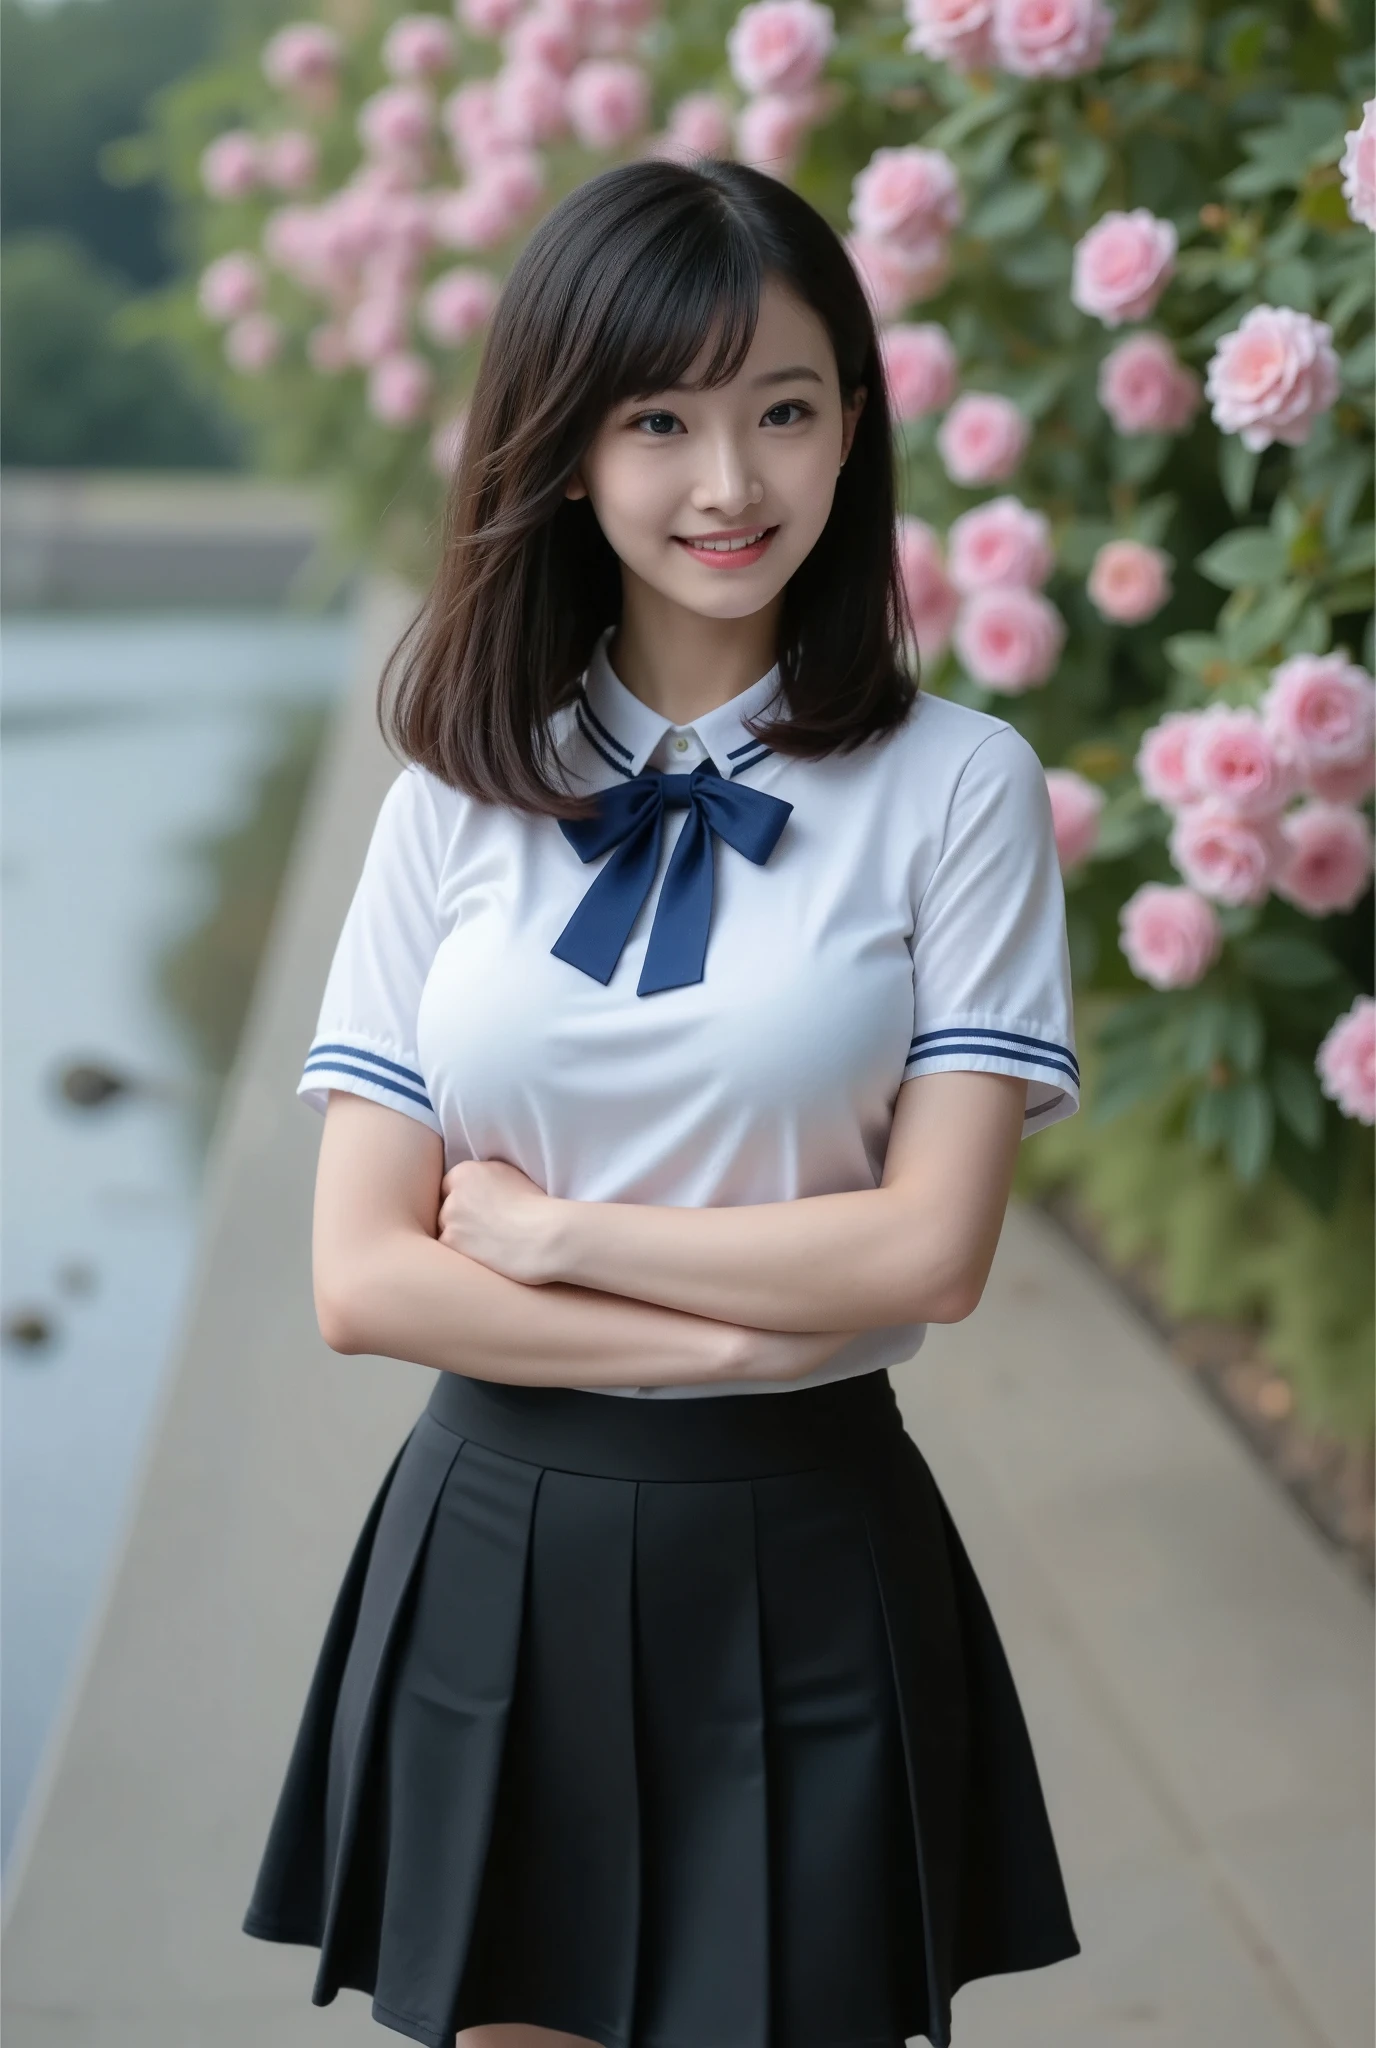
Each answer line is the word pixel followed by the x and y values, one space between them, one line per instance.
pixel 1196 1667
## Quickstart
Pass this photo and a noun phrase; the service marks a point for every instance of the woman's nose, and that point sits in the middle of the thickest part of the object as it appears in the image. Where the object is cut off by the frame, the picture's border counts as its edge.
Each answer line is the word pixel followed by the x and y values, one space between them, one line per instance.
pixel 726 484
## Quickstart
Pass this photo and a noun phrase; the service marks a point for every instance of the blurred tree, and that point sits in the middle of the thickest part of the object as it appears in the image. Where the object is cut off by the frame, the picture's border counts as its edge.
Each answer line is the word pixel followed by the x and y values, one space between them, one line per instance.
pixel 72 392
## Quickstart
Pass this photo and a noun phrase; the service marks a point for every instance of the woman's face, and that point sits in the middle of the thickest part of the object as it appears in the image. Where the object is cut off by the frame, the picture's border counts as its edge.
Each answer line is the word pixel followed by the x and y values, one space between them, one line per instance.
pixel 756 457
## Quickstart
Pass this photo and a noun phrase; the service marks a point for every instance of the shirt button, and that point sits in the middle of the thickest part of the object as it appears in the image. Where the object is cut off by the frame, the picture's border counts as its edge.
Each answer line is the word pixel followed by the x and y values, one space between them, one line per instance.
pixel 680 745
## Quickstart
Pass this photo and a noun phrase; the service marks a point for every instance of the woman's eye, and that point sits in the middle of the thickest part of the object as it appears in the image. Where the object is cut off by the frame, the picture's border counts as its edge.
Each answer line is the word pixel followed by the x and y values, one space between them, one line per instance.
pixel 783 406
pixel 647 417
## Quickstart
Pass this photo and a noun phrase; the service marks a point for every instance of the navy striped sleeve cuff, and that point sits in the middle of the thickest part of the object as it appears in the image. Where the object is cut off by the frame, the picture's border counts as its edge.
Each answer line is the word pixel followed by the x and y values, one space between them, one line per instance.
pixel 359 1070
pixel 1051 1068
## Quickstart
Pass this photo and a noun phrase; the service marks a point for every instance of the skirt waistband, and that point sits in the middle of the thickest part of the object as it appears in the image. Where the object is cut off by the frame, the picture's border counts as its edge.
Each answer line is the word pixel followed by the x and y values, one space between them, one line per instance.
pixel 714 1436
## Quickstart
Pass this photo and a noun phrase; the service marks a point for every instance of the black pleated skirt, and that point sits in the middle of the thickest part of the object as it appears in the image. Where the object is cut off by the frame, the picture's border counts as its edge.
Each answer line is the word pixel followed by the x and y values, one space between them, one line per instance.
pixel 673 1724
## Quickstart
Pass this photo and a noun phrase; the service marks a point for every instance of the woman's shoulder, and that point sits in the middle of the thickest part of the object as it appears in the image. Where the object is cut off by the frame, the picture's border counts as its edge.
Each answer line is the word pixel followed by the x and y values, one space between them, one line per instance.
pixel 942 742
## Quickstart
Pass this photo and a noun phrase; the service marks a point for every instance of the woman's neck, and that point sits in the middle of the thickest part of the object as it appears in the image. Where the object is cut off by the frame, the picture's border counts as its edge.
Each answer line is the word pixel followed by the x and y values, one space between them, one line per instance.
pixel 683 664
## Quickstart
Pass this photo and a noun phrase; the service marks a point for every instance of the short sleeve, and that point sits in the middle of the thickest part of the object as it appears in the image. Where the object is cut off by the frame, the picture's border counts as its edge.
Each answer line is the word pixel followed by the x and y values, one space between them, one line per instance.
pixel 365 1036
pixel 991 963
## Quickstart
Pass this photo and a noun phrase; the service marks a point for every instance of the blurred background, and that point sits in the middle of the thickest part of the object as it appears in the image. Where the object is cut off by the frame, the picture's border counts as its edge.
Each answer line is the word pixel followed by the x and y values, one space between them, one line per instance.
pixel 1121 257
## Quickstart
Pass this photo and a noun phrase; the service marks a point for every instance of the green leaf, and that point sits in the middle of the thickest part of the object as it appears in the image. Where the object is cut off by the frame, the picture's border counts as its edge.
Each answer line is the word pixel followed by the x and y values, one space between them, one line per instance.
pixel 1012 210
pixel 1137 457
pixel 1198 654
pixel 1286 960
pixel 1359 364
pixel 1267 622
pixel 1043 259
pixel 1357 554
pixel 1311 632
pixel 1123 1087
pixel 1237 472
pixel 1244 1035
pixel 1248 556
pixel 1205 1034
pixel 1134 1021
pixel 1152 519
pixel 1084 166
pixel 1251 1125
pixel 1298 1097
pixel 1292 283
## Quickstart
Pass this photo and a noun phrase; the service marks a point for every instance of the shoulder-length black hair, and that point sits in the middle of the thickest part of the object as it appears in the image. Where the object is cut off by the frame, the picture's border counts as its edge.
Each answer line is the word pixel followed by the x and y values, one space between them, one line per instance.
pixel 615 295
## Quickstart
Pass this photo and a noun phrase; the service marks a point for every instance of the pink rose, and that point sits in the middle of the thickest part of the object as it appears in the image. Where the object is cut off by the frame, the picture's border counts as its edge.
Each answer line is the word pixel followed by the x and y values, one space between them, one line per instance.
pixel 1225 856
pixel 327 349
pixel 982 438
pixel 1169 935
pixel 920 368
pixel 1343 785
pixel 396 120
pixel 701 122
pixel 230 165
pixel 895 278
pixel 779 46
pixel 230 286
pixel 954 32
pixel 417 46
pixel 254 343
pixel 446 443
pixel 290 160
pixel 608 102
pixel 1328 859
pixel 1164 762
pixel 475 217
pixel 1129 582
pixel 1346 1061
pixel 377 327
pixel 770 130
pixel 931 598
pixel 910 197
pixel 1145 388
pixel 1358 168
pixel 299 240
pixel 1233 758
pixel 399 389
pixel 1001 541
pixel 1075 806
pixel 1049 38
pixel 529 104
pixel 1009 639
pixel 542 37
pixel 1122 266
pixel 1321 708
pixel 1272 376
pixel 489 18
pixel 303 58
pixel 457 304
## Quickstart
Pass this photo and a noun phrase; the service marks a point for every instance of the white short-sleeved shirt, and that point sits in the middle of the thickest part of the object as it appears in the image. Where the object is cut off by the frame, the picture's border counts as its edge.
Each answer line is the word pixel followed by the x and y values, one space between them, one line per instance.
pixel 910 919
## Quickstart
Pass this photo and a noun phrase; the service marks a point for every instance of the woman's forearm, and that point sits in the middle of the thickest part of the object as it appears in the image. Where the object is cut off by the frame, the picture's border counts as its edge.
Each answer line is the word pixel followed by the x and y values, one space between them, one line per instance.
pixel 417 1299
pixel 857 1261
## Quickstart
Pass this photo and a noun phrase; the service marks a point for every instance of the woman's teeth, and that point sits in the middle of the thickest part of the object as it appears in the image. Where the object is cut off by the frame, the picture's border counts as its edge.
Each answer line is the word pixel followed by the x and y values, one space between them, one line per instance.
pixel 726 547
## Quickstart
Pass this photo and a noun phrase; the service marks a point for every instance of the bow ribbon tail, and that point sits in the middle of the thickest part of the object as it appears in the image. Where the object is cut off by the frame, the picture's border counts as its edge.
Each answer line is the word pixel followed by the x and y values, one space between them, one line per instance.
pixel 678 937
pixel 595 935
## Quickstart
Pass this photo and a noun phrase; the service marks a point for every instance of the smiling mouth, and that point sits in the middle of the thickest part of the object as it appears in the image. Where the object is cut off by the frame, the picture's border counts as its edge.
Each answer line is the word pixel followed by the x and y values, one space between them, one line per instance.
pixel 739 544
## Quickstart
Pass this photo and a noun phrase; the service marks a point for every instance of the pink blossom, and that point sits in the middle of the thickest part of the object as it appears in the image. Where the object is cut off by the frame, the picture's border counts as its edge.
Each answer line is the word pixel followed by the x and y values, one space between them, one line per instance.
pixel 254 343
pixel 376 328
pixel 1358 168
pixel 457 304
pixel 1348 785
pixel 1321 708
pixel 623 14
pixel 895 278
pixel 954 32
pixel 472 122
pixel 529 103
pixel 1122 266
pixel 701 121
pixel 399 389
pixel 230 286
pixel 300 242
pixel 303 58
pixel 779 46
pixel 1234 759
pixel 608 102
pixel 1049 38
pixel 908 196
pixel 290 160
pixel 1075 806
pixel 477 216
pixel 543 37
pixel 1328 858
pixel 417 46
pixel 446 443
pixel 982 438
pixel 396 120
pixel 769 131
pixel 327 349
pixel 1145 388
pixel 1170 935
pixel 230 165
pixel 920 368
pixel 932 598
pixel 1271 377
pixel 490 18
pixel 1230 858
pixel 1009 639
pixel 1346 1061
pixel 1001 541
pixel 1164 762
pixel 1129 582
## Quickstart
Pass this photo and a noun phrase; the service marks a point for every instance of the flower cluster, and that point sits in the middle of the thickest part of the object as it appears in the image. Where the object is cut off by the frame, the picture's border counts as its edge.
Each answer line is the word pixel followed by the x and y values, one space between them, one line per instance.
pixel 776 50
pixel 1029 38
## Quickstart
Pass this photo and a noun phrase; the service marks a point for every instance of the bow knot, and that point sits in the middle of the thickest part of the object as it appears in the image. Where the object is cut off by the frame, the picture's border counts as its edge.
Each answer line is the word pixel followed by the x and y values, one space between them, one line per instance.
pixel 630 819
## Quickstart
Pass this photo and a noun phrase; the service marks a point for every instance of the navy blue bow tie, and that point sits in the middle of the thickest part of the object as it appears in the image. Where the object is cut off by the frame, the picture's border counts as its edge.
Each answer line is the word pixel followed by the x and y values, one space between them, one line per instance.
pixel 630 817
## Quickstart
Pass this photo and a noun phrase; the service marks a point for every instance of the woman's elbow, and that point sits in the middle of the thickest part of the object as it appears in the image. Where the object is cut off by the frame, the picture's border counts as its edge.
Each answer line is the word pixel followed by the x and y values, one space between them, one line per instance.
pixel 340 1312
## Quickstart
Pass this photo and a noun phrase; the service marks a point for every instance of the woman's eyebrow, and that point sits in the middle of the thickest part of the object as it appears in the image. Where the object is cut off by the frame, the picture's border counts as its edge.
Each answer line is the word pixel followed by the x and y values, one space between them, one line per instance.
pixel 767 377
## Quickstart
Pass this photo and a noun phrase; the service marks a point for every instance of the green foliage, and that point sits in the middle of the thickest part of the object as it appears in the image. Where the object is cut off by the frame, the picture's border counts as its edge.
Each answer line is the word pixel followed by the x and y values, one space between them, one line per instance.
pixel 74 393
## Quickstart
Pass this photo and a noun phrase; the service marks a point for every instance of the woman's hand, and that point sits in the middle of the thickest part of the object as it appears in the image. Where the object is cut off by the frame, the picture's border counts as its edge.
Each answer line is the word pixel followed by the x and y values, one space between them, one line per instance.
pixel 494 1213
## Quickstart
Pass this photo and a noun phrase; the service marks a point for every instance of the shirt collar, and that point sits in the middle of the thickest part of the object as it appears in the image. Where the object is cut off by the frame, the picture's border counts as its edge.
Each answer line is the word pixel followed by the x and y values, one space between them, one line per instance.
pixel 625 732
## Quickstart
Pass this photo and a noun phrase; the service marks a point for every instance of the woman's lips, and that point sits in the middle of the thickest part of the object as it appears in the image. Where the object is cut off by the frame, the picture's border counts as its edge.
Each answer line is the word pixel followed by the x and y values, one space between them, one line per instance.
pixel 728 558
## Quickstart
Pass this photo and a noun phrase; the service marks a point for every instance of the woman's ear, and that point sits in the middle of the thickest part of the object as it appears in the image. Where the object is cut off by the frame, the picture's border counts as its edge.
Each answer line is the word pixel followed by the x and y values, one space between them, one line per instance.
pixel 851 418
pixel 575 487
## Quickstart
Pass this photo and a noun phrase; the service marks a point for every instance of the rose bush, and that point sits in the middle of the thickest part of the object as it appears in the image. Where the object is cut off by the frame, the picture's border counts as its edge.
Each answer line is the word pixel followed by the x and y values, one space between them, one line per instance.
pixel 1122 261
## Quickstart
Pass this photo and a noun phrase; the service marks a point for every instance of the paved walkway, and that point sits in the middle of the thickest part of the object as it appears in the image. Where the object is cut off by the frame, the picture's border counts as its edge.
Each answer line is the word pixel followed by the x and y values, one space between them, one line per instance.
pixel 1196 1667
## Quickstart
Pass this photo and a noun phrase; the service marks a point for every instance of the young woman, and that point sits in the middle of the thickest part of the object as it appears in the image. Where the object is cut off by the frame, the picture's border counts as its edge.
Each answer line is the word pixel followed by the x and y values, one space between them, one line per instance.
pixel 701 981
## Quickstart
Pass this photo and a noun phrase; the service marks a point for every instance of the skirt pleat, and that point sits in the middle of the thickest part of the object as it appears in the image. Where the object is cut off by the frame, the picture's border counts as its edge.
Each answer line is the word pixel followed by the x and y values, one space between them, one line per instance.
pixel 668 1730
